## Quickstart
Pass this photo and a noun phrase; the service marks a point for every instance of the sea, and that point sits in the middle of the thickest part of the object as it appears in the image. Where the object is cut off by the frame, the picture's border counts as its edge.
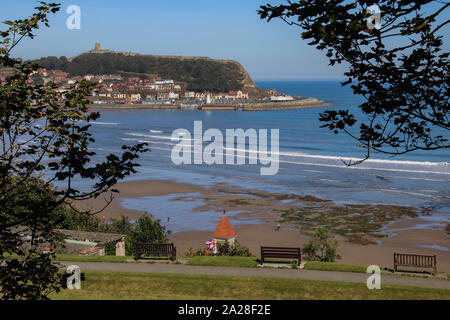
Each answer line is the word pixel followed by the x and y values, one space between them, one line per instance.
pixel 311 160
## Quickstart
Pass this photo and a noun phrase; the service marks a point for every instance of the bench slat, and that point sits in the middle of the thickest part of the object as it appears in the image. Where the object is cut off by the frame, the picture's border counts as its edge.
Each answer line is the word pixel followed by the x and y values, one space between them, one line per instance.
pixel 281 252
pixel 156 249
pixel 288 249
pixel 415 260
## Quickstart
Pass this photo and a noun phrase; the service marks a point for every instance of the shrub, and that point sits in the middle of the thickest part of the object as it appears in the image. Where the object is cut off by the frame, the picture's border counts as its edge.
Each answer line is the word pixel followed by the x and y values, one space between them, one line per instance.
pixel 110 249
pixel 146 228
pixel 225 249
pixel 72 220
pixel 191 253
pixel 321 247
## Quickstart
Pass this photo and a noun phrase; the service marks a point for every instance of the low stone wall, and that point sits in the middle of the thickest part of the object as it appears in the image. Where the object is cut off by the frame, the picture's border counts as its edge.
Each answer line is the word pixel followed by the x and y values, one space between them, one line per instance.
pixel 218 108
pixel 286 105
pixel 257 106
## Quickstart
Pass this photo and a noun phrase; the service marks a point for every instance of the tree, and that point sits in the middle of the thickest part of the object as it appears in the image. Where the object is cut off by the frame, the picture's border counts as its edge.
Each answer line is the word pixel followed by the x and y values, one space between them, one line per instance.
pixel 196 74
pixel 226 249
pixel 321 248
pixel 145 230
pixel 399 68
pixel 44 141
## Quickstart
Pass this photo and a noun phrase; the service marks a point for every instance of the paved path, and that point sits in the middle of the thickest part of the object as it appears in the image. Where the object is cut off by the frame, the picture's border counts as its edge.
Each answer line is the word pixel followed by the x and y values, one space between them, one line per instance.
pixel 259 272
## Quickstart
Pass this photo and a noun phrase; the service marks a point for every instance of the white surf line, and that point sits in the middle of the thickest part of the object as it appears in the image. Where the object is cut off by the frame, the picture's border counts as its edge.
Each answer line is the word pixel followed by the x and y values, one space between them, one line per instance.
pixel 412 178
pixel 105 123
pixel 342 166
pixel 409 162
pixel 412 193
pixel 359 168
pixel 149 141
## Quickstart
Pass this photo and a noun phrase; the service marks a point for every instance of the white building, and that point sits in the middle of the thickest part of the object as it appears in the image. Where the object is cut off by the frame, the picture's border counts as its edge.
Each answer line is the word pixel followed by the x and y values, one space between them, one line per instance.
pixel 134 97
pixel 189 94
pixel 174 96
pixel 281 98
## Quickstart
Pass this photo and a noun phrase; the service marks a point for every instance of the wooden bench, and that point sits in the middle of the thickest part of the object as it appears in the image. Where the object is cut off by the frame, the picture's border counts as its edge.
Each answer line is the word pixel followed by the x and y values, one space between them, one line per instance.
pixel 281 252
pixel 414 260
pixel 156 249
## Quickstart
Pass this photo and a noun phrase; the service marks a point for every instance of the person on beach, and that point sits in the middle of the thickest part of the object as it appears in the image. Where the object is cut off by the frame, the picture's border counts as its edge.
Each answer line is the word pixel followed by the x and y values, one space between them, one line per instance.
pixel 278 227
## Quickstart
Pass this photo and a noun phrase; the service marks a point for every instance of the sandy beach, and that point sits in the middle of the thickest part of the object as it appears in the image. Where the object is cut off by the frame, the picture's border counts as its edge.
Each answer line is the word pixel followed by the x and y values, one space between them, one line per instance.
pixel 405 233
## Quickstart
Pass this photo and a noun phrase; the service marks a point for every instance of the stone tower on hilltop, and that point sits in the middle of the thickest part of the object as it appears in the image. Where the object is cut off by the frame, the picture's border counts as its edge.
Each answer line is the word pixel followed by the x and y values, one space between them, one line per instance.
pixel 98 49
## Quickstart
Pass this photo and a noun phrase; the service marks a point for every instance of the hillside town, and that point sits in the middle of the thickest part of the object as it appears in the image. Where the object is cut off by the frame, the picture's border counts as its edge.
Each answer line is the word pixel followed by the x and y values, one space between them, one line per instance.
pixel 114 89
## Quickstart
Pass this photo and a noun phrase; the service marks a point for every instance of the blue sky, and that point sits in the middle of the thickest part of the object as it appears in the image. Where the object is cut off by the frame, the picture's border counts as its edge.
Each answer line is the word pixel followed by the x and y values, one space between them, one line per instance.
pixel 229 29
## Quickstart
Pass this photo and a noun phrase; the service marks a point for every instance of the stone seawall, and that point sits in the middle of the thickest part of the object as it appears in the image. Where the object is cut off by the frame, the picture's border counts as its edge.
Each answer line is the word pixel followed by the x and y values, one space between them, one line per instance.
pixel 262 106
pixel 286 105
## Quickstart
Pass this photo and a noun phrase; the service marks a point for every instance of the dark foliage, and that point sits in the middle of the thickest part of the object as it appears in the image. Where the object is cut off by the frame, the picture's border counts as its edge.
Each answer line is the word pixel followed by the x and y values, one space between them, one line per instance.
pixel 145 229
pixel 225 249
pixel 44 140
pixel 197 74
pixel 321 247
pixel 400 69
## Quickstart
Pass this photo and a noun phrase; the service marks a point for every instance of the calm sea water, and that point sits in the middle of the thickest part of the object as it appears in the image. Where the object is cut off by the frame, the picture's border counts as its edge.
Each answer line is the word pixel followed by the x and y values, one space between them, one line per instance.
pixel 310 156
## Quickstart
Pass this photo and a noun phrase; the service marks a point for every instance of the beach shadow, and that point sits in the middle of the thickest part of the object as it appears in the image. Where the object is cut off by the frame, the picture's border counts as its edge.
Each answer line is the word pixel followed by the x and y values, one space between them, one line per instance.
pixel 277 263
pixel 152 258
pixel 409 271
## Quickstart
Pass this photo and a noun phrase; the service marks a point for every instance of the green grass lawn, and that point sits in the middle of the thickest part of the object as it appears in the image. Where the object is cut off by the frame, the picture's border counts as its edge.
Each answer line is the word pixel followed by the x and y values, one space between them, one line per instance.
pixel 251 262
pixel 247 262
pixel 222 261
pixel 122 285
pixel 76 258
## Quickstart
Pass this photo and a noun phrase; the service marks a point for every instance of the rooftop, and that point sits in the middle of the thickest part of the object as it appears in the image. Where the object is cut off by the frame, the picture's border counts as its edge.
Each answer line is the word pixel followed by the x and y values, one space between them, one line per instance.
pixel 224 229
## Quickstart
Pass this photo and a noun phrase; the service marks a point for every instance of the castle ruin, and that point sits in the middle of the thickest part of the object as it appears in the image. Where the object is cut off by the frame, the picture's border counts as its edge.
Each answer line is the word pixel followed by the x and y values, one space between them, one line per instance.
pixel 98 49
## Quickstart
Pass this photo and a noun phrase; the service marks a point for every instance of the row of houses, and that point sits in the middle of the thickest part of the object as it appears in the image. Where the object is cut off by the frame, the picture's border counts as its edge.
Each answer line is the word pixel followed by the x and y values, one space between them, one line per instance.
pixel 136 90
pixel 132 97
pixel 113 96
pixel 116 89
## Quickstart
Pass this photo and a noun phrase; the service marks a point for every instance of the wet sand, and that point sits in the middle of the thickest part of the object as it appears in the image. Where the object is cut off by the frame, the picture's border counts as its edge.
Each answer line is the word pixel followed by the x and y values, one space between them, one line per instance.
pixel 222 197
pixel 135 189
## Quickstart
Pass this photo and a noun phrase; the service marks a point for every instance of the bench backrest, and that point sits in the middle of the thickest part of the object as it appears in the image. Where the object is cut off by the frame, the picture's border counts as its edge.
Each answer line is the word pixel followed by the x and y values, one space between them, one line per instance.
pixel 416 260
pixel 266 251
pixel 155 248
